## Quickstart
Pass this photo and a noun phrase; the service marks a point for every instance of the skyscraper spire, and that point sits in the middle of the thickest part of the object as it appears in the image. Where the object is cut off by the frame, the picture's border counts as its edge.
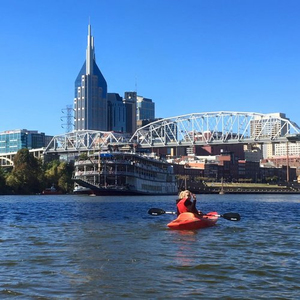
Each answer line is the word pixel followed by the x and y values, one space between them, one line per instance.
pixel 90 53
pixel 90 102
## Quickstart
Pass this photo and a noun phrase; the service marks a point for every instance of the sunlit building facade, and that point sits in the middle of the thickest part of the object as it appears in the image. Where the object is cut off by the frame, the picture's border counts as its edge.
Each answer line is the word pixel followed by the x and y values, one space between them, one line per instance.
pixel 90 102
pixel 271 125
pixel 14 140
pixel 145 108
pixel 96 109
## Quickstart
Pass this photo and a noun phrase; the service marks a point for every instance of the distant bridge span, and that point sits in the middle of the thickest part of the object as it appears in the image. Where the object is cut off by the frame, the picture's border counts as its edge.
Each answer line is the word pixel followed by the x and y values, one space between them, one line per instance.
pixel 5 161
pixel 210 128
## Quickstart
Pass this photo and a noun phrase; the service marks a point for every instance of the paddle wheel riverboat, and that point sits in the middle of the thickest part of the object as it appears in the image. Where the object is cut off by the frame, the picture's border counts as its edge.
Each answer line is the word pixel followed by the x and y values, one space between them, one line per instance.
pixel 125 173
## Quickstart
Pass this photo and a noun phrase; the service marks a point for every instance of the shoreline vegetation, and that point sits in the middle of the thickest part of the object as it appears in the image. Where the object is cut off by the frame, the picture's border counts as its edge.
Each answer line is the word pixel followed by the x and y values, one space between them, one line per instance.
pixel 30 176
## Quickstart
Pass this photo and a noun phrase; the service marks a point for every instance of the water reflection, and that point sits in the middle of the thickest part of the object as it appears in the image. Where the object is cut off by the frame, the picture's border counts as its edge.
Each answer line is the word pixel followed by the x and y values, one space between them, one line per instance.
pixel 185 242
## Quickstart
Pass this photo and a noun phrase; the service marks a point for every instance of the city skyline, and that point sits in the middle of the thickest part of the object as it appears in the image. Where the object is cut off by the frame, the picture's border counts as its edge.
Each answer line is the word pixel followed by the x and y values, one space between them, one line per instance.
pixel 192 56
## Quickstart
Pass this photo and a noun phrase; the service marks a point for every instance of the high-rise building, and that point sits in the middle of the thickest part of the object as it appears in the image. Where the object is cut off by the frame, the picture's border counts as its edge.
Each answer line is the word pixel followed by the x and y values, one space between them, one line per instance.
pixel 145 108
pixel 90 102
pixel 116 113
pixel 14 140
pixel 95 109
pixel 129 100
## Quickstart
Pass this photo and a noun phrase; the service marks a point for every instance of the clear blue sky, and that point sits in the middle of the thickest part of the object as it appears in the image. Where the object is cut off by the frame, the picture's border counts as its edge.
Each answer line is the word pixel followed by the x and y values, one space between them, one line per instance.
pixel 186 55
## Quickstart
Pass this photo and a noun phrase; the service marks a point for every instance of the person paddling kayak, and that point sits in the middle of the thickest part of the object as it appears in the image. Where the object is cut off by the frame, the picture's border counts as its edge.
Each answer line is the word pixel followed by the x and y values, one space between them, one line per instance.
pixel 185 204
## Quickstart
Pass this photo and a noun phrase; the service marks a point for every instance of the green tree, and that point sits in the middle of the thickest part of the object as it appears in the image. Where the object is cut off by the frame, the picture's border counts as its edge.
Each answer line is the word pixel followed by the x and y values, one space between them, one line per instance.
pixel 3 187
pixel 26 175
pixel 65 182
pixel 51 173
pixel 59 174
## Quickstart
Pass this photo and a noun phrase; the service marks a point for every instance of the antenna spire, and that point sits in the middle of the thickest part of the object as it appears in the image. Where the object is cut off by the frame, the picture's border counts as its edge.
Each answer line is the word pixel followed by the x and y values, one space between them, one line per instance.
pixel 90 54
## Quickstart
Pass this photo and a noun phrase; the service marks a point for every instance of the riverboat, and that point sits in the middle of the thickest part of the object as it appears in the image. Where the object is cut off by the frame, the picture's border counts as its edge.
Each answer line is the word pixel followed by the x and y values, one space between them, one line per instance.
pixel 81 190
pixel 125 173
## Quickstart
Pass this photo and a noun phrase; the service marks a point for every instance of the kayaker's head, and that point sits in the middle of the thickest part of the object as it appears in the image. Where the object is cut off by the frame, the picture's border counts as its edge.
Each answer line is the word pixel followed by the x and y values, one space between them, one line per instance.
pixel 185 194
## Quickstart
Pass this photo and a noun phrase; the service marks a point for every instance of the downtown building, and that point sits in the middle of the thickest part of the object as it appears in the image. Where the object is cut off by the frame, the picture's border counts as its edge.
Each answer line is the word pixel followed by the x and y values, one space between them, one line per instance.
pixel 90 102
pixel 145 108
pixel 12 141
pixel 96 109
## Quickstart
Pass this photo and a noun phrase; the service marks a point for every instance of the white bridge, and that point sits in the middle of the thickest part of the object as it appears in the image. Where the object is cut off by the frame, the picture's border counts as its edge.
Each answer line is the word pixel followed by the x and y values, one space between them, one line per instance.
pixel 6 159
pixel 211 128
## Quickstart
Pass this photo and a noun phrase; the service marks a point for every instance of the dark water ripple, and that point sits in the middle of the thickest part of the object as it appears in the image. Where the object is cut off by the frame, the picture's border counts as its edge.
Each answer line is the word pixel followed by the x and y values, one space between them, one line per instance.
pixel 77 247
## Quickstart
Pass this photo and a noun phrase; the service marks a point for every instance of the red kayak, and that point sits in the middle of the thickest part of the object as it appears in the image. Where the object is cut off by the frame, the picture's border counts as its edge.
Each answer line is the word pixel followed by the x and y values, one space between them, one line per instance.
pixel 189 221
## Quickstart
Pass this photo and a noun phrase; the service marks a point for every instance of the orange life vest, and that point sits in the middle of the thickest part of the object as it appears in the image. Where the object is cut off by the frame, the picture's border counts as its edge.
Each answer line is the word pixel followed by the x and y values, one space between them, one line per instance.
pixel 181 206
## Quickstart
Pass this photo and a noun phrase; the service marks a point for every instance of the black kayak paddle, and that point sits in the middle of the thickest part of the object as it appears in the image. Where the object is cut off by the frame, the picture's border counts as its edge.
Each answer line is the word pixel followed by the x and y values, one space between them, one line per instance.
pixel 159 211
pixel 227 216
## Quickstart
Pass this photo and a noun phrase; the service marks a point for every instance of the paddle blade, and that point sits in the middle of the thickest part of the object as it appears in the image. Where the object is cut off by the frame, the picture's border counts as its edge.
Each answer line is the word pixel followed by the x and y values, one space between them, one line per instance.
pixel 231 216
pixel 156 211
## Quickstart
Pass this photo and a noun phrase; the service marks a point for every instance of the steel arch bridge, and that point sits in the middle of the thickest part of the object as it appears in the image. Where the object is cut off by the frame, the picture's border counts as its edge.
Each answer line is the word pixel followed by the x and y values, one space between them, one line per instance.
pixel 209 128
pixel 216 128
pixel 85 140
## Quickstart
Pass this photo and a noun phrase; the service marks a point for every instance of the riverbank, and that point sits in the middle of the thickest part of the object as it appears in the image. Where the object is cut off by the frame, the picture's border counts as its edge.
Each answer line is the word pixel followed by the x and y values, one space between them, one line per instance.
pixel 241 188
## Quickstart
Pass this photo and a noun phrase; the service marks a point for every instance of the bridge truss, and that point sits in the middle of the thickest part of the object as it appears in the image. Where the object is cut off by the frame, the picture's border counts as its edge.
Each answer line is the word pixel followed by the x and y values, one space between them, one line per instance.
pixel 209 128
pixel 85 140
pixel 216 128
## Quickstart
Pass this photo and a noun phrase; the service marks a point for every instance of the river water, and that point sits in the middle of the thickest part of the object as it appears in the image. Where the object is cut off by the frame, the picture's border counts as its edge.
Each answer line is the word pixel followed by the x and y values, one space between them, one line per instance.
pixel 81 247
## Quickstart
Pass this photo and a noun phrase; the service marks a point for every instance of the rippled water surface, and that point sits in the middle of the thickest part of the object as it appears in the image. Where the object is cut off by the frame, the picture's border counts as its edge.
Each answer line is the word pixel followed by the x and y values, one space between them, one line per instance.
pixel 80 247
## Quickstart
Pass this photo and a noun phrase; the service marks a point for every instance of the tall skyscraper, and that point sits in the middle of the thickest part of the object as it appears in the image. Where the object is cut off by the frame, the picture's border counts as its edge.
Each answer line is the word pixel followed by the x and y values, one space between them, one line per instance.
pixel 90 102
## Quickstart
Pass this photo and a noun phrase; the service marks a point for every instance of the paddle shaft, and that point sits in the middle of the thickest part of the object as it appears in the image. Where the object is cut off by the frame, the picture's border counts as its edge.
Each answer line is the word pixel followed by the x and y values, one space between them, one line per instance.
pixel 227 216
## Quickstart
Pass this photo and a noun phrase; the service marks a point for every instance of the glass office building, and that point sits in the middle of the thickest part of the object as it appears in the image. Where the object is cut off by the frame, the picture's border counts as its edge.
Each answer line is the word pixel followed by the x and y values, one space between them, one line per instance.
pixel 145 108
pixel 14 140
pixel 116 113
